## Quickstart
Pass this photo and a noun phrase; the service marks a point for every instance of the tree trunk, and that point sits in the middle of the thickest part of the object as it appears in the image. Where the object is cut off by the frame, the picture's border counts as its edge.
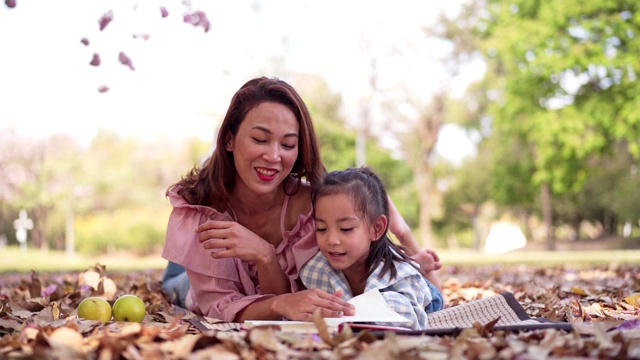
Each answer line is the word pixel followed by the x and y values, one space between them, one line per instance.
pixel 428 128
pixel 547 214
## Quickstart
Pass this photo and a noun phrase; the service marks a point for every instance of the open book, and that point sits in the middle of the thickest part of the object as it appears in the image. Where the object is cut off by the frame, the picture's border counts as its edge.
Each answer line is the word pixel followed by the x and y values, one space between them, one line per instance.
pixel 370 308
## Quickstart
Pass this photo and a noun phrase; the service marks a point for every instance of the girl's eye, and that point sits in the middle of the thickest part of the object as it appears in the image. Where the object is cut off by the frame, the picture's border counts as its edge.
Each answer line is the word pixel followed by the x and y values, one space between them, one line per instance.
pixel 321 229
pixel 346 229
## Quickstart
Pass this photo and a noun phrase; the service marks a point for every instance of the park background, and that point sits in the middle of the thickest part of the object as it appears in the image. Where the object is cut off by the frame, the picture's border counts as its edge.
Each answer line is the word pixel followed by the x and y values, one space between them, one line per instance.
pixel 475 113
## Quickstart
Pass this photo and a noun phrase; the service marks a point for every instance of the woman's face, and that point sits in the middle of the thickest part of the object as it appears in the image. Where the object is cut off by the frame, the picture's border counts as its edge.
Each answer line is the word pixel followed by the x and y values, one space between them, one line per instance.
pixel 265 147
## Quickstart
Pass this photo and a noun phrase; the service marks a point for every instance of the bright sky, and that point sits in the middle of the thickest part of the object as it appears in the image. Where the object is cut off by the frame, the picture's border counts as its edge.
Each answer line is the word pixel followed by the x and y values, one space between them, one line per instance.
pixel 184 78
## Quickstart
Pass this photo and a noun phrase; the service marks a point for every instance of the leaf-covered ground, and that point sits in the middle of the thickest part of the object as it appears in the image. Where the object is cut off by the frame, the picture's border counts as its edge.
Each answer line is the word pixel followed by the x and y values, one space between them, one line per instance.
pixel 38 320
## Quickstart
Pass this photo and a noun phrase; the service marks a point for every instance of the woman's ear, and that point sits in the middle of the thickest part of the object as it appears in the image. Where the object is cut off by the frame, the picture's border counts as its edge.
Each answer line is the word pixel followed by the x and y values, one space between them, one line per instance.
pixel 228 142
pixel 379 226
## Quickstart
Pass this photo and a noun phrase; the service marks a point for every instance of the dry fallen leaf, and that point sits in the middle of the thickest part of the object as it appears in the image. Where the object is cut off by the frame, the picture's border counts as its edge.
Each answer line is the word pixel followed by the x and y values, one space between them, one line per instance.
pixel 38 320
pixel 633 299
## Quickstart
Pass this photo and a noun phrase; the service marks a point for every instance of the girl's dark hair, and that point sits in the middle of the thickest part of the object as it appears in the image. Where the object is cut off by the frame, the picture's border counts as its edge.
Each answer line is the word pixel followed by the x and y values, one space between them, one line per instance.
pixel 217 176
pixel 368 194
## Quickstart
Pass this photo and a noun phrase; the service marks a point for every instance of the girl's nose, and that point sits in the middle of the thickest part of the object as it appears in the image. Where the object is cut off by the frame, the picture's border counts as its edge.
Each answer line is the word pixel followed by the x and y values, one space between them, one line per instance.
pixel 333 239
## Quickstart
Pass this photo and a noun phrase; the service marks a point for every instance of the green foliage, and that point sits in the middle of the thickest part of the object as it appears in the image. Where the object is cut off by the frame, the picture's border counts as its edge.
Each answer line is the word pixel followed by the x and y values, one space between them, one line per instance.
pixel 566 75
pixel 139 230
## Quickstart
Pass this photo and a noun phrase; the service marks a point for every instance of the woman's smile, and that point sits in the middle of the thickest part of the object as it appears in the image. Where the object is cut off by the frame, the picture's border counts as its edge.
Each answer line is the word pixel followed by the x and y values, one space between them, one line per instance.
pixel 266 174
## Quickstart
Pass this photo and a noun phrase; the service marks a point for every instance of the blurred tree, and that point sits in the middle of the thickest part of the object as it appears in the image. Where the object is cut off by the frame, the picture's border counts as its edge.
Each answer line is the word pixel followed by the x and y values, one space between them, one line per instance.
pixel 339 150
pixel 565 84
pixel 467 190
pixel 608 197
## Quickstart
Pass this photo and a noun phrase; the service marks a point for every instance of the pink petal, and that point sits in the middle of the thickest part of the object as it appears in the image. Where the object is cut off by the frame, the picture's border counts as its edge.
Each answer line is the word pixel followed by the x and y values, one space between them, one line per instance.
pixel 85 41
pixel 10 3
pixel 144 37
pixel 124 60
pixel 198 18
pixel 103 89
pixel 105 19
pixel 164 12
pixel 95 61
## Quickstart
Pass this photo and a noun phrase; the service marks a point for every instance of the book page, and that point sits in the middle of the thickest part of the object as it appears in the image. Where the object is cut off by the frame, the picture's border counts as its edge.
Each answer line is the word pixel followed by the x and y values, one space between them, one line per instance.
pixel 370 307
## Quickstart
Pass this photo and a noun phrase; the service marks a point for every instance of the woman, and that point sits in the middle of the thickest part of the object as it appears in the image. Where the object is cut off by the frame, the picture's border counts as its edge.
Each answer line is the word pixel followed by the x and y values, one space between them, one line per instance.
pixel 250 205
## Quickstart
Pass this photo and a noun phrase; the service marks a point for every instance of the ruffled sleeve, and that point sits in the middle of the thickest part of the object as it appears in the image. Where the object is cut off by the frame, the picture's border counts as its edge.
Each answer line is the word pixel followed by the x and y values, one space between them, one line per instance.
pixel 182 245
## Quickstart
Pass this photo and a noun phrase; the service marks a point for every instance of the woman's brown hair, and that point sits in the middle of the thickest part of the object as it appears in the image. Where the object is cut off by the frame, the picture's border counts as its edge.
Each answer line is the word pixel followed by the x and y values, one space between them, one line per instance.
pixel 215 179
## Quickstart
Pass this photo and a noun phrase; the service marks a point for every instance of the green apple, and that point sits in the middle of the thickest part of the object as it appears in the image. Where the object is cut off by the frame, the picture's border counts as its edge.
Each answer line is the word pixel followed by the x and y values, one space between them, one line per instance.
pixel 95 308
pixel 129 308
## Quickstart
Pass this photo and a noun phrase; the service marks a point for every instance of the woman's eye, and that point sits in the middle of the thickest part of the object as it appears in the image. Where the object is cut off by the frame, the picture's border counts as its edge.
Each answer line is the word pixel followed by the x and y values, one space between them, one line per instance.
pixel 289 147
pixel 260 141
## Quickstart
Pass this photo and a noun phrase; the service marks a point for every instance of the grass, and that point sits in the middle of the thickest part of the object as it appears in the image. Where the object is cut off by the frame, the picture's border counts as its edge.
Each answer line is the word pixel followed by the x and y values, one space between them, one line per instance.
pixel 13 260
pixel 573 257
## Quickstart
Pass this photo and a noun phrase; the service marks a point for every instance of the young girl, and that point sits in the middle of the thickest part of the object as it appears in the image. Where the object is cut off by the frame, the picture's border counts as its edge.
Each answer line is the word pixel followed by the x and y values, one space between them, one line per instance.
pixel 356 253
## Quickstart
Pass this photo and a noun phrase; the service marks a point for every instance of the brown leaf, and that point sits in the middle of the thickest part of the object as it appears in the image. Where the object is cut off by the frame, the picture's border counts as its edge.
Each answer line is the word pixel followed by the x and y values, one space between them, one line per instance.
pixel 323 329
pixel 66 337
pixel 35 287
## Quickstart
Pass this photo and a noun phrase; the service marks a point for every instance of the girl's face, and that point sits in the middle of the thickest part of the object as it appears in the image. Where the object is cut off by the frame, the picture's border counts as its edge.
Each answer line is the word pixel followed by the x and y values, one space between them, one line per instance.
pixel 343 237
pixel 265 147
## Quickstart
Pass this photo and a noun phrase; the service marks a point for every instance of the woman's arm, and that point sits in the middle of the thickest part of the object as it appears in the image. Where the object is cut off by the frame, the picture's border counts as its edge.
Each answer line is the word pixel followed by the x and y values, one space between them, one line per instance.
pixel 225 299
pixel 428 260
pixel 229 239
pixel 298 306
pixel 399 227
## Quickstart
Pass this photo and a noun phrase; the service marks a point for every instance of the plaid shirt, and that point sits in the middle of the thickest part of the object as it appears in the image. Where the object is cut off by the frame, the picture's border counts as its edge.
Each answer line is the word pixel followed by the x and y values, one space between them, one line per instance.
pixel 408 293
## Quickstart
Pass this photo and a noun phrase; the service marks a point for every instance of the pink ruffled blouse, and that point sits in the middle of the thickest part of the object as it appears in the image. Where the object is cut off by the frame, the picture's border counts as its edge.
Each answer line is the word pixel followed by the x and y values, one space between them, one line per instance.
pixel 221 288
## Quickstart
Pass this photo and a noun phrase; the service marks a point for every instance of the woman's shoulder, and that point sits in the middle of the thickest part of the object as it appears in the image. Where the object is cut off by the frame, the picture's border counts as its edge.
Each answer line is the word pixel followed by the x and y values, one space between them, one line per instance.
pixel 299 204
pixel 179 202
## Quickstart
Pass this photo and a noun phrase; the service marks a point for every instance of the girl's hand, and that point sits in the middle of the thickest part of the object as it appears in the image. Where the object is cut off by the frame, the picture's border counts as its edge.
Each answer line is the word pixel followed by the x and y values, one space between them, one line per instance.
pixel 301 305
pixel 230 239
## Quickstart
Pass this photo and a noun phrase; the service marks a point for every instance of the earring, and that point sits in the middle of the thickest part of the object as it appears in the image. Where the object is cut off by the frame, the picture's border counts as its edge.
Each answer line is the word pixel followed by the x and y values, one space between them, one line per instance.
pixel 228 147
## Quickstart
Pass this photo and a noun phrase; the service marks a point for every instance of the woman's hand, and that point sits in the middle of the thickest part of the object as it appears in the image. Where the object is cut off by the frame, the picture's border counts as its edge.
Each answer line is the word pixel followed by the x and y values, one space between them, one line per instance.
pixel 230 239
pixel 301 305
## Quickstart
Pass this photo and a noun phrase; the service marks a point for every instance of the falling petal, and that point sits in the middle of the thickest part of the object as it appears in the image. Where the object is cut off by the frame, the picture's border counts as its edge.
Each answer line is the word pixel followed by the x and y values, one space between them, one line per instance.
pixel 101 89
pixel 198 18
pixel 164 12
pixel 10 3
pixel 105 19
pixel 144 37
pixel 85 41
pixel 96 60
pixel 124 60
